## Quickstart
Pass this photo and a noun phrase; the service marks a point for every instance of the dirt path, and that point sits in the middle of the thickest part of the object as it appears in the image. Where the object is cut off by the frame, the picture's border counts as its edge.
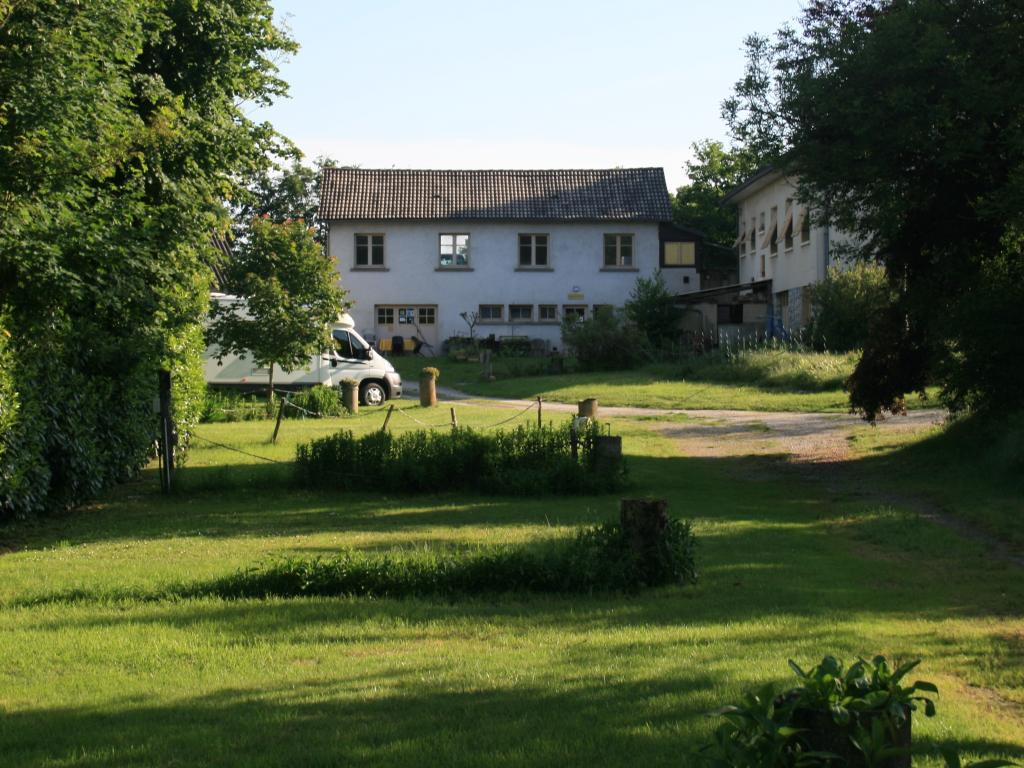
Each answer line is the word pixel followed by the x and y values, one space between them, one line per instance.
pixel 811 447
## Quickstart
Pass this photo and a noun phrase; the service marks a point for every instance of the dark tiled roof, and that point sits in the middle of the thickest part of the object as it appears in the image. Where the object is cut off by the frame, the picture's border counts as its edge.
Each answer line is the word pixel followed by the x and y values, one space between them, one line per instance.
pixel 617 194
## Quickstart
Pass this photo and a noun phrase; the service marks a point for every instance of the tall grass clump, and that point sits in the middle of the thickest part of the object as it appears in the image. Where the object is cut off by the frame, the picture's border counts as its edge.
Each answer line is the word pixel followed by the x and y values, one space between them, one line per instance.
pixel 596 559
pixel 525 460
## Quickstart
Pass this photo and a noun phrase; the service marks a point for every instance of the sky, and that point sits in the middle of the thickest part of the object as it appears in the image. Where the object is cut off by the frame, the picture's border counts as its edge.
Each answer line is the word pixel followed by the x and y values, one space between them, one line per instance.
pixel 530 84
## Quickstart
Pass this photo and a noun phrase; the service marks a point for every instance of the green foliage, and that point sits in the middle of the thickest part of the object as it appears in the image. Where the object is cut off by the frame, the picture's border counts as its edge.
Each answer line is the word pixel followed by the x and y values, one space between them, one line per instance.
pixel 122 130
pixel 597 559
pixel 431 372
pixel 771 365
pixel 846 304
pixel 651 310
pixel 220 405
pixel 291 192
pixel 866 707
pixel 905 122
pixel 713 172
pixel 319 401
pixel 289 295
pixel 607 341
pixel 525 460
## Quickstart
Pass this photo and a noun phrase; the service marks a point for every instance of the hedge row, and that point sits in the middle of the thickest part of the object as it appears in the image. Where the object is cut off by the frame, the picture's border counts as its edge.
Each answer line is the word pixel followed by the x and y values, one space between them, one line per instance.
pixel 525 460
pixel 597 559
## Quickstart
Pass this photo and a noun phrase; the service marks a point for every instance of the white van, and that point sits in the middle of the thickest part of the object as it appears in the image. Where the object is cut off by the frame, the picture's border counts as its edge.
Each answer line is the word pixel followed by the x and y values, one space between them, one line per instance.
pixel 351 358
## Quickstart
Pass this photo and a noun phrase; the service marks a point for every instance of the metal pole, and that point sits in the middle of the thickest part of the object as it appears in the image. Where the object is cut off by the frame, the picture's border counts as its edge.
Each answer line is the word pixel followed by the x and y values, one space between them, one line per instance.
pixel 166 431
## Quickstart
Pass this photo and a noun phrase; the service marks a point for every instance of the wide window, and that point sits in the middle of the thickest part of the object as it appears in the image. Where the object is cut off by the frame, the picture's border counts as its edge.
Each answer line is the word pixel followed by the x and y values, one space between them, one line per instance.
pixel 490 313
pixel 454 250
pixel 533 250
pixel 681 254
pixel 369 250
pixel 520 313
pixel 573 312
pixel 618 251
pixel 547 313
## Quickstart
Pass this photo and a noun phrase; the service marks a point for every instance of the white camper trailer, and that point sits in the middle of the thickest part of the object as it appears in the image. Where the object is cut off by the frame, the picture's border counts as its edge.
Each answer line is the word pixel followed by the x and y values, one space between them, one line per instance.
pixel 350 358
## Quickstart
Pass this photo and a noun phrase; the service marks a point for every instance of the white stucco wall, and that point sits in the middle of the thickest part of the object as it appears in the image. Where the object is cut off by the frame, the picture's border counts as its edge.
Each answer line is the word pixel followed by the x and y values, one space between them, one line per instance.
pixel 412 276
pixel 802 265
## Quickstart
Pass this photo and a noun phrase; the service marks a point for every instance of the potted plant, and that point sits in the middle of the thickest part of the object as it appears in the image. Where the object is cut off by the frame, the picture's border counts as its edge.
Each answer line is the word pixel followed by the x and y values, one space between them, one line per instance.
pixel 428 387
pixel 858 718
pixel 350 395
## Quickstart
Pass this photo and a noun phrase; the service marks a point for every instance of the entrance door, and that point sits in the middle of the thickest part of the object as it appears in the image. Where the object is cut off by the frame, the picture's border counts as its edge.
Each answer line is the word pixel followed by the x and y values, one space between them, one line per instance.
pixel 409 321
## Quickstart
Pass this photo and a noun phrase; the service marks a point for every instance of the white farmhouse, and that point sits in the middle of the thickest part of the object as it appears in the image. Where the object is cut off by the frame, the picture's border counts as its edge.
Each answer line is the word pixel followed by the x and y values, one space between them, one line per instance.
pixel 417 249
pixel 782 249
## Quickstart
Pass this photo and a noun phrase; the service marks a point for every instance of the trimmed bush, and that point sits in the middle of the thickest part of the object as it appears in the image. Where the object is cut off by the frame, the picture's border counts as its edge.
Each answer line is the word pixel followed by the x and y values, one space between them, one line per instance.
pixel 597 559
pixel 605 342
pixel 526 460
pixel 846 303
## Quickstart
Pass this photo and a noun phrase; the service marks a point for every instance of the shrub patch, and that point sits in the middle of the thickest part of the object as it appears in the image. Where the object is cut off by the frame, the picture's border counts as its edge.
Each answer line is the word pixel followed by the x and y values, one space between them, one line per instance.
pixel 525 460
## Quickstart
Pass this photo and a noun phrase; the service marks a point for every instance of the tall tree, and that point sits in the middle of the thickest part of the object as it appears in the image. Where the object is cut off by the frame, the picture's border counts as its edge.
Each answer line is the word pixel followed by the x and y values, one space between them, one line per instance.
pixel 904 121
pixel 712 173
pixel 122 132
pixel 289 293
pixel 291 191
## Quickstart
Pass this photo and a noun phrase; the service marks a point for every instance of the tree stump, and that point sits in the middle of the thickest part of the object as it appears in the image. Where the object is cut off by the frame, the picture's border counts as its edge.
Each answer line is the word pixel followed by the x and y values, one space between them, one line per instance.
pixel 607 456
pixel 644 522
pixel 588 407
pixel 428 391
pixel 350 396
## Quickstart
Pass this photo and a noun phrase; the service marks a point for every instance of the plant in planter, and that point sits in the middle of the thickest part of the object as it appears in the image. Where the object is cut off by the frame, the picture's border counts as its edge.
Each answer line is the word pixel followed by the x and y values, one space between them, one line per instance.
pixel 859 717
pixel 428 386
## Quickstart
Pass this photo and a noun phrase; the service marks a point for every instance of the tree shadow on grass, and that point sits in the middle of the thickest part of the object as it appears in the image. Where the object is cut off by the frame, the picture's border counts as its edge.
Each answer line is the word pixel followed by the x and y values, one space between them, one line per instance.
pixel 398 722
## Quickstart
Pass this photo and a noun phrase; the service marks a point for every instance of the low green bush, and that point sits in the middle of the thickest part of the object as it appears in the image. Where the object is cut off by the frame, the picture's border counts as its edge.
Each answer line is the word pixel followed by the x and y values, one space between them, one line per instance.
pixel 525 460
pixel 222 405
pixel 608 341
pixel 846 303
pixel 318 401
pixel 597 559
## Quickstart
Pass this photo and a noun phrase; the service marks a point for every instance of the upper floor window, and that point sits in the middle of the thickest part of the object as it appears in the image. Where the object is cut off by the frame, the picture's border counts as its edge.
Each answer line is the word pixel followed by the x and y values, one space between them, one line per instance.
pixel 369 250
pixel 805 227
pixel 618 250
pixel 533 250
pixel 760 226
pixel 681 254
pixel 454 250
pixel 773 240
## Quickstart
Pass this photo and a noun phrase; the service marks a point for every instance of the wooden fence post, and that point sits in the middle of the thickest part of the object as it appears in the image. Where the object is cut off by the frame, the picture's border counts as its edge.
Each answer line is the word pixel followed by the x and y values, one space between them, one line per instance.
pixel 277 425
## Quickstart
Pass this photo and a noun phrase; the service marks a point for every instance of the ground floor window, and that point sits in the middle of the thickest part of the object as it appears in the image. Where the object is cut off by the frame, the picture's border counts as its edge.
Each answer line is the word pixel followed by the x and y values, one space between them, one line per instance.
pixel 547 313
pixel 385 315
pixel 574 312
pixel 490 313
pixel 427 315
pixel 522 313
pixel 603 309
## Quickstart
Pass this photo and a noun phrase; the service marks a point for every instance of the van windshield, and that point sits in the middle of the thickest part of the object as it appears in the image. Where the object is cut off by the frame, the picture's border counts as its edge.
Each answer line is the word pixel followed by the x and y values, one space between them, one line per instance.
pixel 349 345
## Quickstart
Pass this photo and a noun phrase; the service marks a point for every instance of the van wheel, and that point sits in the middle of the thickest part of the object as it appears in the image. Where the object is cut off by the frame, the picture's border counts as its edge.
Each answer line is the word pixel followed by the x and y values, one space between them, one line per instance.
pixel 372 393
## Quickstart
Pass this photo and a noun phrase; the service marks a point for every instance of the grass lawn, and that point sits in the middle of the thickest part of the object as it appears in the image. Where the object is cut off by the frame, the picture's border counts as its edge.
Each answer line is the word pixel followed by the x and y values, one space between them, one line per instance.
pixel 609 680
pixel 757 380
pixel 972 468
